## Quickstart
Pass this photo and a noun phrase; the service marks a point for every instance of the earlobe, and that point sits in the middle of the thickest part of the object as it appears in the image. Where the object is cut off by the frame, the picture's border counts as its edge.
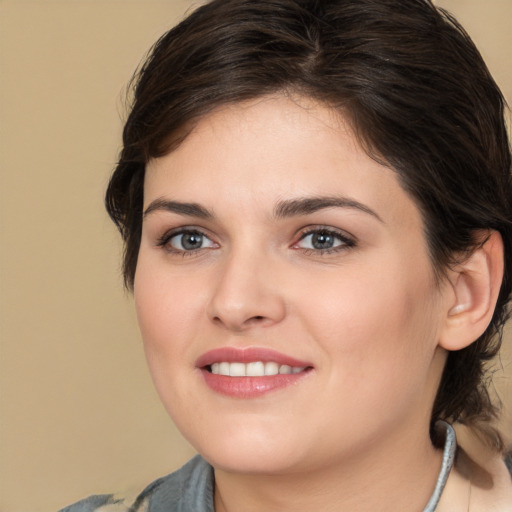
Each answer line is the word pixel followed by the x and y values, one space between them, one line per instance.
pixel 475 283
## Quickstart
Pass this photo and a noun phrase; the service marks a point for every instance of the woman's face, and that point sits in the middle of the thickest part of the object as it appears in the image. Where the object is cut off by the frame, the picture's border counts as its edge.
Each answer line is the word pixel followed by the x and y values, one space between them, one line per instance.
pixel 272 243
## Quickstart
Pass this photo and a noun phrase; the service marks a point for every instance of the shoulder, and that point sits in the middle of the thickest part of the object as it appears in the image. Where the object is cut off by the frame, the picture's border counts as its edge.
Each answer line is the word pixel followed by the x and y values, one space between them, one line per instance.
pixel 190 489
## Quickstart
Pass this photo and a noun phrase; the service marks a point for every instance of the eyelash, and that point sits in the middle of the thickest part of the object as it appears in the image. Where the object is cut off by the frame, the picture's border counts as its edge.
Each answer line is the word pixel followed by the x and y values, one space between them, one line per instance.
pixel 346 242
pixel 165 241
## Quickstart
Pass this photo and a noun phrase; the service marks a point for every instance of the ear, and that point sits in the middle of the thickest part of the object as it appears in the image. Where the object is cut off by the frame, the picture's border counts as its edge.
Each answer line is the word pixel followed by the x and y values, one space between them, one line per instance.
pixel 475 284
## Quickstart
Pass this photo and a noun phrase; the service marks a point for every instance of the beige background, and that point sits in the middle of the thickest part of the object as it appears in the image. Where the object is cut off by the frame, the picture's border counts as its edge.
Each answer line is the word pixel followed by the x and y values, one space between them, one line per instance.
pixel 78 412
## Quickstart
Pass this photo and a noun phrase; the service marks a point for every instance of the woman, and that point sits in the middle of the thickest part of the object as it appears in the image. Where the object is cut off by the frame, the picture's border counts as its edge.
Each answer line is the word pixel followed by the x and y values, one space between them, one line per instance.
pixel 315 199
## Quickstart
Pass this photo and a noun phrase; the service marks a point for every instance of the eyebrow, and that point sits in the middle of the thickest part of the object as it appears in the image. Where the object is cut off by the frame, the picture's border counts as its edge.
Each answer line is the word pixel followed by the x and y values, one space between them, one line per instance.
pixel 308 205
pixel 189 209
pixel 283 209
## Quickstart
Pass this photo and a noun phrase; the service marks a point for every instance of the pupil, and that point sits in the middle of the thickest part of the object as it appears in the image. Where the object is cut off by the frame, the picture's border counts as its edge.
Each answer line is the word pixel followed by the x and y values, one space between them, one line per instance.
pixel 192 241
pixel 322 241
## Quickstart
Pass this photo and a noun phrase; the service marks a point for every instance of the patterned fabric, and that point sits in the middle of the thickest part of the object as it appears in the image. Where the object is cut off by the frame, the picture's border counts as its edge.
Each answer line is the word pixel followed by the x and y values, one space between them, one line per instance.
pixel 508 462
pixel 450 445
pixel 190 489
pixel 101 503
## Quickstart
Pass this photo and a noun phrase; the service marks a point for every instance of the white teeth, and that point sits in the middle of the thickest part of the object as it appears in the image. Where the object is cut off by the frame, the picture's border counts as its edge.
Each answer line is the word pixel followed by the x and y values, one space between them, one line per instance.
pixel 254 369
pixel 237 370
pixel 271 368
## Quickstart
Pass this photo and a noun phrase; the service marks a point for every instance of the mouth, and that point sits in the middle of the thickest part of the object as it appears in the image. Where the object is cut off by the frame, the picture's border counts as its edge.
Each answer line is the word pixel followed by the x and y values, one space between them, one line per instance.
pixel 251 372
pixel 253 369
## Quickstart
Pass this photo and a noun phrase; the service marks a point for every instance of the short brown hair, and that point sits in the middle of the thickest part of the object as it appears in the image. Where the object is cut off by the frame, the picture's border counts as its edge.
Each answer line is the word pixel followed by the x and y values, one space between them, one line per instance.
pixel 419 97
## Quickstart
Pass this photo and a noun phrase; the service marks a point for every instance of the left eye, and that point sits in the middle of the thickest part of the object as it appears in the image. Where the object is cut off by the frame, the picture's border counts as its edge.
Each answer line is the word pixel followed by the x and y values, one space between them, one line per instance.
pixel 323 240
pixel 189 241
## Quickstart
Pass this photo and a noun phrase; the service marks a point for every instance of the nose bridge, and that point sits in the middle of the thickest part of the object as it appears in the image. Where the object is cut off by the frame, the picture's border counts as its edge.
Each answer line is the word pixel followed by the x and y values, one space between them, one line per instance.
pixel 246 292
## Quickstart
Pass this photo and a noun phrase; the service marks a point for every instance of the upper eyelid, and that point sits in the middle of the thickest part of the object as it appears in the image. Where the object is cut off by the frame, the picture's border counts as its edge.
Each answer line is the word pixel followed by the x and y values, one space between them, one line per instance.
pixel 347 240
pixel 170 233
pixel 299 235
pixel 185 229
pixel 165 242
pixel 329 229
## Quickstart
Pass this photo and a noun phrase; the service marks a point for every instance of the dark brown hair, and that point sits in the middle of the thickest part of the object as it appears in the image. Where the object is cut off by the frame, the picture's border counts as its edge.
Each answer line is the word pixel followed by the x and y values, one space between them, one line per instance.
pixel 416 91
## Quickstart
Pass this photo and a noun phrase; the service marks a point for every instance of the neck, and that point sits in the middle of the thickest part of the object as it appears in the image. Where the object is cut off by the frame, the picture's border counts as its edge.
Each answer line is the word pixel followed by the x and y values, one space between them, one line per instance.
pixel 382 479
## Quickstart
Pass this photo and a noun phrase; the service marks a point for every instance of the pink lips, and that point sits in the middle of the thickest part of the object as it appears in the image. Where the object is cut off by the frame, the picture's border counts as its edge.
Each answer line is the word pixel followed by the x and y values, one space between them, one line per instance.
pixel 249 387
pixel 248 355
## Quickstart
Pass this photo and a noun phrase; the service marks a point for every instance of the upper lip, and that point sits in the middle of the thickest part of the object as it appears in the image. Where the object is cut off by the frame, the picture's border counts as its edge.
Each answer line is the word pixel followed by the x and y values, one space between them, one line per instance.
pixel 247 355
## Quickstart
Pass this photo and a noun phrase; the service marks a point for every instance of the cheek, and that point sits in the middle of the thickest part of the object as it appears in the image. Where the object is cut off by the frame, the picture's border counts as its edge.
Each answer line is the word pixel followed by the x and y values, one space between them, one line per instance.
pixel 165 312
pixel 167 316
pixel 375 324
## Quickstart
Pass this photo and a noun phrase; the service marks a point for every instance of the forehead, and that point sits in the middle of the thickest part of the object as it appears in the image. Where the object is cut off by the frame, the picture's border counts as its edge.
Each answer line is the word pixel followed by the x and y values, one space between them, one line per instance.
pixel 256 153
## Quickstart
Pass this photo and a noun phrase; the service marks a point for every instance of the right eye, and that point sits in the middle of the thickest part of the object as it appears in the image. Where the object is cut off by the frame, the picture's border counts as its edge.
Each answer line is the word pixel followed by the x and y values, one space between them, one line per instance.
pixel 186 241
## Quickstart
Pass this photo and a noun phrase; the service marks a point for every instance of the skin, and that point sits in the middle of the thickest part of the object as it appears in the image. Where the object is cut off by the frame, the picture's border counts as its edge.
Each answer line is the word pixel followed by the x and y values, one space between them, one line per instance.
pixel 367 315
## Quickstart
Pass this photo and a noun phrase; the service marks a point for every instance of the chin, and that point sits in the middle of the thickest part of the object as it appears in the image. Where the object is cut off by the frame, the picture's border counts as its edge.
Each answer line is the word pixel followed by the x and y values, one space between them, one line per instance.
pixel 247 460
pixel 246 449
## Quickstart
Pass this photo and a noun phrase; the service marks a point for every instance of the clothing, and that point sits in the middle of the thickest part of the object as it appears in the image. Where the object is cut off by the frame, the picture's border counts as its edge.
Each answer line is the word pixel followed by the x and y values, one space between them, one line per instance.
pixel 191 488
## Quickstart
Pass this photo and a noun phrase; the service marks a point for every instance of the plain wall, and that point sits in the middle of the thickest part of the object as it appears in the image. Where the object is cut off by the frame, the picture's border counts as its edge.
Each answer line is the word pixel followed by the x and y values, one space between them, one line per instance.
pixel 78 411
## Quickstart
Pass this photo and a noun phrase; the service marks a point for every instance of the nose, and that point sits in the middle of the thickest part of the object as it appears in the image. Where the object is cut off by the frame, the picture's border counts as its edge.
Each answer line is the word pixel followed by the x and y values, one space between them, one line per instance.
pixel 247 294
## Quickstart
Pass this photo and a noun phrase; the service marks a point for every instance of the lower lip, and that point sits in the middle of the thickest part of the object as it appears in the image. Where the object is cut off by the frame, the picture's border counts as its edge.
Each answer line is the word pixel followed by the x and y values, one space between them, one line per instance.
pixel 250 387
